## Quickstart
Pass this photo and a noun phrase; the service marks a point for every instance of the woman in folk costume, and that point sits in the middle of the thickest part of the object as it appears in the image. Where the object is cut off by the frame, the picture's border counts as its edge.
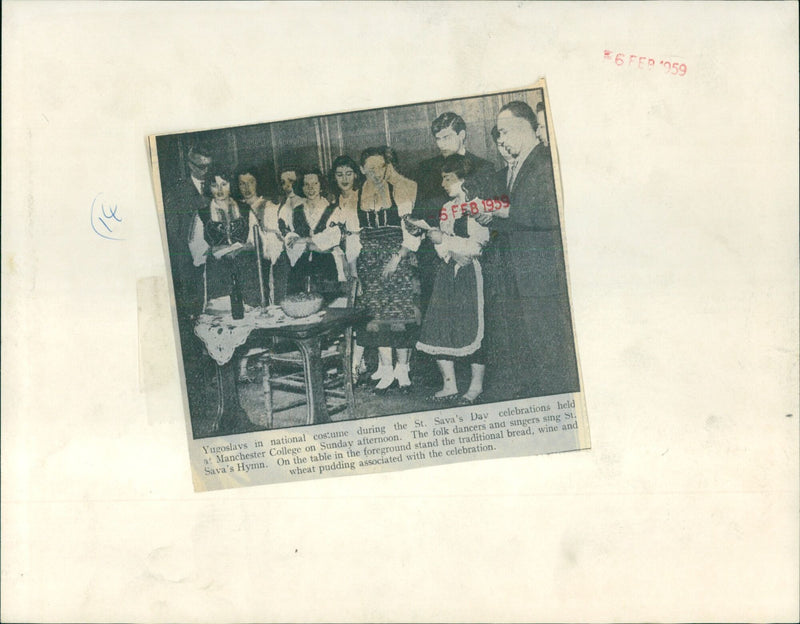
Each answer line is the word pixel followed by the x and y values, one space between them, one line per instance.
pixel 287 198
pixel 266 213
pixel 312 241
pixel 222 240
pixel 346 181
pixel 453 325
pixel 289 194
pixel 387 267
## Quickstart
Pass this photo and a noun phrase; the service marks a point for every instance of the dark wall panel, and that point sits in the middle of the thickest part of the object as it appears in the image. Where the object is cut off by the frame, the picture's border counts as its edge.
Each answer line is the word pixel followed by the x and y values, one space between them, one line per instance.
pixel 317 141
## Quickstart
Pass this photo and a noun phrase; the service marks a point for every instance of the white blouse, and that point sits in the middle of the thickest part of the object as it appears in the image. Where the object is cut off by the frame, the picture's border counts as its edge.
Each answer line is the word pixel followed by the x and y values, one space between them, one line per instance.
pixel 271 232
pixel 477 237
pixel 327 240
pixel 198 247
pixel 347 215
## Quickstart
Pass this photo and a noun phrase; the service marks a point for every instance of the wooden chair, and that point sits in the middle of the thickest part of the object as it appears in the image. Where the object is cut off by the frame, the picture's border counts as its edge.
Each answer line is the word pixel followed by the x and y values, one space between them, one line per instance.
pixel 337 357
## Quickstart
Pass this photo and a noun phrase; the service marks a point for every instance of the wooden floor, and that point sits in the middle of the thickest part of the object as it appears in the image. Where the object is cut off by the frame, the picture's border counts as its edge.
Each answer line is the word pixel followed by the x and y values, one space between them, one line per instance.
pixel 425 381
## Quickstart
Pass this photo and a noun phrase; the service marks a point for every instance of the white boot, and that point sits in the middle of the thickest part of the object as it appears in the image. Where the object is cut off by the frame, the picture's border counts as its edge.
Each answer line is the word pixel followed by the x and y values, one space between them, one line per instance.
pixel 386 379
pixel 359 366
pixel 401 374
pixel 384 375
pixel 449 389
pixel 244 377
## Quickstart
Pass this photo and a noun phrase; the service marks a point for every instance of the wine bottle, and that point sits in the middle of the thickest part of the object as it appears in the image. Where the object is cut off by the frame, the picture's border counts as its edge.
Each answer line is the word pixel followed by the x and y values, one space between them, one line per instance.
pixel 237 305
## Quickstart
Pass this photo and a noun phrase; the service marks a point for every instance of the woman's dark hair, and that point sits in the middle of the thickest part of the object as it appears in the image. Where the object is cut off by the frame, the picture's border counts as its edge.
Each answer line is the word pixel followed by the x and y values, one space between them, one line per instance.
pixel 216 171
pixel 388 154
pixel 458 164
pixel 344 161
pixel 372 151
pixel 291 167
pixel 245 170
pixel 281 194
pixel 323 186
pixel 523 111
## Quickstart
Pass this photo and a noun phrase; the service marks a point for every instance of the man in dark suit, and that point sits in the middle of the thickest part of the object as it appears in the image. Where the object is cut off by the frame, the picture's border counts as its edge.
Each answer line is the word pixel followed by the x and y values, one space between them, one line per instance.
pixel 181 203
pixel 528 337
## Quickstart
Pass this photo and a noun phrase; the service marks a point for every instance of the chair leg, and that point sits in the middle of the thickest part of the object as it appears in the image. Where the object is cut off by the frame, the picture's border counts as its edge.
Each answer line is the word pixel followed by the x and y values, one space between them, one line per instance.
pixel 347 370
pixel 267 389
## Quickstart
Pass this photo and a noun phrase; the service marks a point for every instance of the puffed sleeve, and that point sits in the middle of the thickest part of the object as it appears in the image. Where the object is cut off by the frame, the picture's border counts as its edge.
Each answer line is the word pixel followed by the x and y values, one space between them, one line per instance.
pixel 352 230
pixel 478 236
pixel 331 236
pixel 271 241
pixel 285 221
pixel 269 216
pixel 271 246
pixel 198 246
pixel 252 222
pixel 330 240
pixel 405 194
pixel 410 241
pixel 443 248
pixel 472 246
pixel 294 251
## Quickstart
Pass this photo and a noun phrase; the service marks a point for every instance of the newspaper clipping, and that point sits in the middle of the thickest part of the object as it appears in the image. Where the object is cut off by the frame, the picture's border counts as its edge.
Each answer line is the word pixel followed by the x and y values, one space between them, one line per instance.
pixel 371 290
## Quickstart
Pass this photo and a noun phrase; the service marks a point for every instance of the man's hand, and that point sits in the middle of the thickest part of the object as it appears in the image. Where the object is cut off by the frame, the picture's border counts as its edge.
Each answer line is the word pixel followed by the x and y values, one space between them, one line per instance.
pixel 484 218
pixel 503 213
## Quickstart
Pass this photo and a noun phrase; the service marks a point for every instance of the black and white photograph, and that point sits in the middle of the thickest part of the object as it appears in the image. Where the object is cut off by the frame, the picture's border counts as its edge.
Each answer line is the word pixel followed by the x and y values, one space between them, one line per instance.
pixel 400 311
pixel 366 264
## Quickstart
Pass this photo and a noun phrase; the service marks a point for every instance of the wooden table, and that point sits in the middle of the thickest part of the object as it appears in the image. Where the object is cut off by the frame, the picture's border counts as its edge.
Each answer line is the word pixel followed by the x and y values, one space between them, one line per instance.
pixel 230 417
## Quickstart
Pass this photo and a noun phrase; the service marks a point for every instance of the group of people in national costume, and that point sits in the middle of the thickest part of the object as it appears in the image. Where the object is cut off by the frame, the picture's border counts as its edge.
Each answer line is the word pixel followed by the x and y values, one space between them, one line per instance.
pixel 484 287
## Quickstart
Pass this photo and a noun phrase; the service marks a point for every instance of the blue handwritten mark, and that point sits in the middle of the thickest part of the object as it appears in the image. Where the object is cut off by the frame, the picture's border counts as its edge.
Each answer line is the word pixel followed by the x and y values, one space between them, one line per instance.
pixel 104 216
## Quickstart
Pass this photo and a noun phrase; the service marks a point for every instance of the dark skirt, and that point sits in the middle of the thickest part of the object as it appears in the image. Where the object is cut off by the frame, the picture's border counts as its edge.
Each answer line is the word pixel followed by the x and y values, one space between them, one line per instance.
pixel 453 325
pixel 392 305
pixel 317 270
pixel 219 277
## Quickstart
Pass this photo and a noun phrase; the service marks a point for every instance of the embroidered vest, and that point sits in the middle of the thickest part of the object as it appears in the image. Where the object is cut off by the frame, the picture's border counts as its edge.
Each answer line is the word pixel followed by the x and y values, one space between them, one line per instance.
pixel 300 223
pixel 219 232
pixel 461 227
pixel 379 218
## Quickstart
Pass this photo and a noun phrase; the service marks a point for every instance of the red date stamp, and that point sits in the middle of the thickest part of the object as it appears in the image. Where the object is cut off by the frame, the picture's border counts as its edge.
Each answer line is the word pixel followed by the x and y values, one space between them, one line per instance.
pixel 621 59
pixel 473 208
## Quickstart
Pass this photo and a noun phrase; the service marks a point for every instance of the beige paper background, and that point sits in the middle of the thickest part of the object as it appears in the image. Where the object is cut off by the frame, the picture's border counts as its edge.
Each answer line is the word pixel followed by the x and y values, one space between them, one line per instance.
pixel 681 208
